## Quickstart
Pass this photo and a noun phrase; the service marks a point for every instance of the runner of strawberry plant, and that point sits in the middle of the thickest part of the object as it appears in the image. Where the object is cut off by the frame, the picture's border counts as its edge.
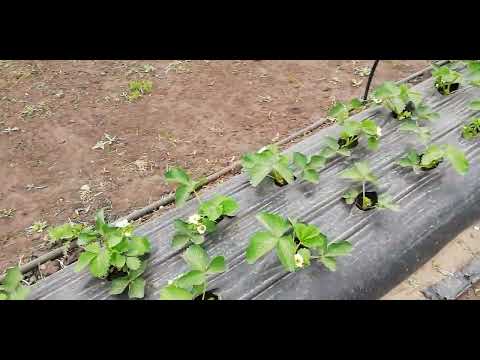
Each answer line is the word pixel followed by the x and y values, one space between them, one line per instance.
pixel 341 111
pixel 11 288
pixel 446 79
pixel 399 99
pixel 361 172
pixel 268 162
pixel 204 221
pixel 432 156
pixel 110 251
pixel 194 283
pixel 296 244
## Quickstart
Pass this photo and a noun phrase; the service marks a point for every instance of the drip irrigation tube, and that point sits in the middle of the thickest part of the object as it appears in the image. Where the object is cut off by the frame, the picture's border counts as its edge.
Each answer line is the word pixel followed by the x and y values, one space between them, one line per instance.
pixel 55 253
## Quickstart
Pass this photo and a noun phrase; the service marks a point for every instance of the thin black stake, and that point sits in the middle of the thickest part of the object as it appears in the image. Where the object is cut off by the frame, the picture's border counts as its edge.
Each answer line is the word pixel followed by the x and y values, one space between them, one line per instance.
pixel 370 78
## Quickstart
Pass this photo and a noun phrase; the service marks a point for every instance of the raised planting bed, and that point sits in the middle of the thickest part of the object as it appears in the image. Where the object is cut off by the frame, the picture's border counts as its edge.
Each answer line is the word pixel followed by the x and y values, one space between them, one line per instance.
pixel 434 206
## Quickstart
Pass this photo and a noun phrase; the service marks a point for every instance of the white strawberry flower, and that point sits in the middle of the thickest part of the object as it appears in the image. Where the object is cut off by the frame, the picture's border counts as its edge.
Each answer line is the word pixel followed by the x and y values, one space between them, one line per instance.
pixel 201 229
pixel 194 219
pixel 299 260
pixel 121 223
pixel 379 131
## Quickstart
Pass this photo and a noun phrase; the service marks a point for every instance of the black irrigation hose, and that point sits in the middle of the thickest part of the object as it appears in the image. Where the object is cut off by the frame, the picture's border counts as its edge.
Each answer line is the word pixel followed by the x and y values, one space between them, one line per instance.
pixel 370 78
pixel 55 253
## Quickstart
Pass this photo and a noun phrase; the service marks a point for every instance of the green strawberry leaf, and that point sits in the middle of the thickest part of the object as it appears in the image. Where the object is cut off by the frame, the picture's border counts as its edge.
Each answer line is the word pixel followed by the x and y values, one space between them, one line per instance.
pixel 100 264
pixel 260 244
pixel 286 252
pixel 217 265
pixel 136 289
pixel 276 224
pixel 196 257
pixel 194 277
pixel 173 292
pixel 340 248
pixel 84 260
pixel 119 285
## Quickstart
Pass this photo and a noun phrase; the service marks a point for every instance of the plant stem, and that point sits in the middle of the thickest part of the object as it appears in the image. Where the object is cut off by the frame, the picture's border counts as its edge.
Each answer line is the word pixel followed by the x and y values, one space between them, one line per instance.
pixel 197 196
pixel 204 290
pixel 363 197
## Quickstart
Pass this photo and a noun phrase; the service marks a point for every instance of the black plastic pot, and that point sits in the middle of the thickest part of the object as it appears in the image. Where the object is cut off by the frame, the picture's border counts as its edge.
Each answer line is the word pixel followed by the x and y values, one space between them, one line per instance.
pixel 431 167
pixel 454 87
pixel 353 142
pixel 372 195
pixel 209 295
pixel 409 107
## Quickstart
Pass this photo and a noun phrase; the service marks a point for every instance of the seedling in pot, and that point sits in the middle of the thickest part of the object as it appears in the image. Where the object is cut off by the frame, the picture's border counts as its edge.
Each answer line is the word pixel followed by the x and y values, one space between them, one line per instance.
pixel 210 213
pixel 268 162
pixel 447 80
pixel 341 111
pixel 309 166
pixel 352 131
pixel 11 287
pixel 193 284
pixel 185 185
pixel 399 99
pixel 296 244
pixel 433 156
pixel 110 251
pixel 360 172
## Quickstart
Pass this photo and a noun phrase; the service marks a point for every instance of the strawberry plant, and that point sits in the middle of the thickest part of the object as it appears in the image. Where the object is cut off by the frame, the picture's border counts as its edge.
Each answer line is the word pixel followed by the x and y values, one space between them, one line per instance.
pixel 360 172
pixel 193 284
pixel 296 244
pixel 473 75
pixel 204 222
pixel 268 162
pixel 185 185
pixel 353 130
pixel 433 156
pixel 110 251
pixel 472 129
pixel 341 111
pixel 309 166
pixel 421 113
pixel 11 288
pixel 399 99
pixel 447 80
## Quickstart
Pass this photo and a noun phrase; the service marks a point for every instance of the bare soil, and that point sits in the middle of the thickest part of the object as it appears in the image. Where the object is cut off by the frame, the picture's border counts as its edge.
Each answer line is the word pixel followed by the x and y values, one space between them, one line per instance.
pixel 201 115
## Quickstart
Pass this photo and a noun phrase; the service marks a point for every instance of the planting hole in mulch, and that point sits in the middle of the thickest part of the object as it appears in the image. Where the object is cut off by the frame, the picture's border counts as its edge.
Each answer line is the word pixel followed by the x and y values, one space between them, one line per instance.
pixel 454 87
pixel 372 196
pixel 283 182
pixel 410 107
pixel 352 142
pixel 432 166
pixel 209 295
pixel 114 273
